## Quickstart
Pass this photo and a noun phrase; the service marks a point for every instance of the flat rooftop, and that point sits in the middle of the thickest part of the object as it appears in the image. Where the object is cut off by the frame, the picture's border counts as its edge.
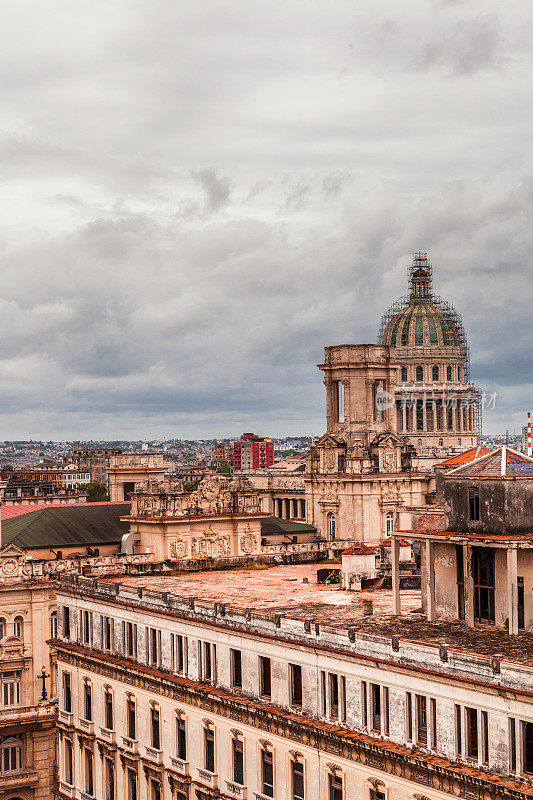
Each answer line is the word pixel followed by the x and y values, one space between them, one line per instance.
pixel 293 591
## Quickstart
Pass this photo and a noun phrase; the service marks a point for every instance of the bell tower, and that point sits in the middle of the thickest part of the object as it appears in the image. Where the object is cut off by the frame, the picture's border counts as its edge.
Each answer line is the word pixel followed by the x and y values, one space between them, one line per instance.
pixel 360 380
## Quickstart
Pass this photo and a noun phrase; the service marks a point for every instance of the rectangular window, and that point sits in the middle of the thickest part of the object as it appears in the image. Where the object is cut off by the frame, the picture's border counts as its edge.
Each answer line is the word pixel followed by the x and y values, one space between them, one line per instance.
pixel 67 692
pixel 298 788
pixel 485 736
pixel 265 687
pixel 433 706
pixel 181 738
pixel 323 693
pixel 335 787
pixel 295 675
pixel 473 504
pixel 238 761
pixel 109 779
pixel 512 745
pixel 69 763
pixel 385 726
pixel 458 731
pixel 179 653
pixel 267 772
pixel 10 755
pixel 209 749
pixel 87 701
pixel 129 641
pixel 364 706
pixel 236 669
pixel 85 627
pixel 131 782
pixel 471 733
pixel 131 719
pixel 108 710
pixel 89 776
pixel 421 720
pixel 155 728
pixel 153 647
pixel 10 688
pixel 375 695
pixel 334 696
pixel 155 790
pixel 107 633
pixel 339 398
pixel 527 747
pixel 409 717
pixel 66 622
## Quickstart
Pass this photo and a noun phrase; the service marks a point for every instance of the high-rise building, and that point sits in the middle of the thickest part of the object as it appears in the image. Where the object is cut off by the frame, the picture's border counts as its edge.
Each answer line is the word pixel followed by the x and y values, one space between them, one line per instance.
pixel 253 452
pixel 222 454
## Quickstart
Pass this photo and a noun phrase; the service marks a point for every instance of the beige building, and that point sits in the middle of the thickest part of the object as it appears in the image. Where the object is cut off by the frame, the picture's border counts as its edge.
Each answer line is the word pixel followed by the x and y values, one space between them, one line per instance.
pixel 164 696
pixel 27 719
pixel 125 470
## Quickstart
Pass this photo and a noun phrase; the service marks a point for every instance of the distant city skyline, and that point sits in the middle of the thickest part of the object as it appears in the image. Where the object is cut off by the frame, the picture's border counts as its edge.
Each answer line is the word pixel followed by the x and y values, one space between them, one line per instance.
pixel 198 198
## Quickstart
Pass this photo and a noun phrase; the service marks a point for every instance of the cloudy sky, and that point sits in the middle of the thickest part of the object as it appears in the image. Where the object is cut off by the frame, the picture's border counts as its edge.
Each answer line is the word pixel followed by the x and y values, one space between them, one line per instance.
pixel 197 197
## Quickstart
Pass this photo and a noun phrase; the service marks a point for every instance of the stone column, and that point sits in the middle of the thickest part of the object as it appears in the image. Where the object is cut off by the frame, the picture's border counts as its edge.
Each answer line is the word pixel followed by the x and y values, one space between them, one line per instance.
pixel 512 588
pixel 395 556
pixel 430 580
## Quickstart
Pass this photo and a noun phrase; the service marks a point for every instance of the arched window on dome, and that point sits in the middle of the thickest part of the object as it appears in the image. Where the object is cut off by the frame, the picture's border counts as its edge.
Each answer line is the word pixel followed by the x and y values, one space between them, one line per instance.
pixel 441 442
pixel 448 373
pixel 404 374
pixel 435 373
pixel 331 527
pixel 419 374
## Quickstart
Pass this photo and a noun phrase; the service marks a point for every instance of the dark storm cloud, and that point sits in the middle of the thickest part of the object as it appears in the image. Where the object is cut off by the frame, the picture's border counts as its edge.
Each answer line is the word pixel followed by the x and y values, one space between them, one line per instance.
pixel 197 198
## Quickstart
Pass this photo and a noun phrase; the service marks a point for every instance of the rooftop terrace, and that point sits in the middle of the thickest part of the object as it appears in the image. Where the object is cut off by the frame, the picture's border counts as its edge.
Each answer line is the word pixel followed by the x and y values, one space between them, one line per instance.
pixel 293 592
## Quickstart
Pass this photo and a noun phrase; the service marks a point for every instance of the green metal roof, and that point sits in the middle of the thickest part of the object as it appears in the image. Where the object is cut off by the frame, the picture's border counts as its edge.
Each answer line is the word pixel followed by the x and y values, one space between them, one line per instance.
pixel 277 525
pixel 67 526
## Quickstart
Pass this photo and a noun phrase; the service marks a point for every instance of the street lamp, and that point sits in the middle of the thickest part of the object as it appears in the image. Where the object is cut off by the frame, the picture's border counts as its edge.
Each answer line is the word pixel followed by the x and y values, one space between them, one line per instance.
pixel 43 675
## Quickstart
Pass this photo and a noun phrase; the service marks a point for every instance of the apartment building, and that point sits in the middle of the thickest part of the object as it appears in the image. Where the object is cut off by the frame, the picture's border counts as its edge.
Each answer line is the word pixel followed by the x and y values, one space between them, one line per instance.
pixel 164 696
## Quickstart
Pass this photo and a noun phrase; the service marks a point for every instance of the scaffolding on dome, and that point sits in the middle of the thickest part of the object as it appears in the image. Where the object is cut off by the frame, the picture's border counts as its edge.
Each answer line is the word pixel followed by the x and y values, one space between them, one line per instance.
pixel 422 270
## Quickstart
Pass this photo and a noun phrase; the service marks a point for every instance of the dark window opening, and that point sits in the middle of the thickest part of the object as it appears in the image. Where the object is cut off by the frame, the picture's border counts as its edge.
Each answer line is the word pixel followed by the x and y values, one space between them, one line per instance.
pixel 471 733
pixel 295 685
pixel 298 789
pixel 473 504
pixel 236 669
pixel 483 573
pixel 267 773
pixel 264 677
pixel 238 761
pixel 209 749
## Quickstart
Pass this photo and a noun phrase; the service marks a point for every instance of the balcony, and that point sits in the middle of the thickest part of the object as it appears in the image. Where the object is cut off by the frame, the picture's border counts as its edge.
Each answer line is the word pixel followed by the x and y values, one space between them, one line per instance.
pixel 67 789
pixel 25 713
pixel 259 796
pixel 236 790
pixel 65 716
pixel 209 778
pixel 108 735
pixel 180 766
pixel 154 755
pixel 18 780
pixel 130 744
pixel 86 725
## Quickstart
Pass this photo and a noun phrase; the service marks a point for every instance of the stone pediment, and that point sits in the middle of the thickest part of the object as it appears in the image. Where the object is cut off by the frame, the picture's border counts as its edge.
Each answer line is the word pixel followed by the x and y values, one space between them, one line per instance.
pixel 12 560
pixel 327 440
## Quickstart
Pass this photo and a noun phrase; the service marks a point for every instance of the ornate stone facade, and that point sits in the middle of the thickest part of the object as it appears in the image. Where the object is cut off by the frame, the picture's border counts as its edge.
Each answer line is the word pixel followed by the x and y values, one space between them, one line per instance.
pixel 219 519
